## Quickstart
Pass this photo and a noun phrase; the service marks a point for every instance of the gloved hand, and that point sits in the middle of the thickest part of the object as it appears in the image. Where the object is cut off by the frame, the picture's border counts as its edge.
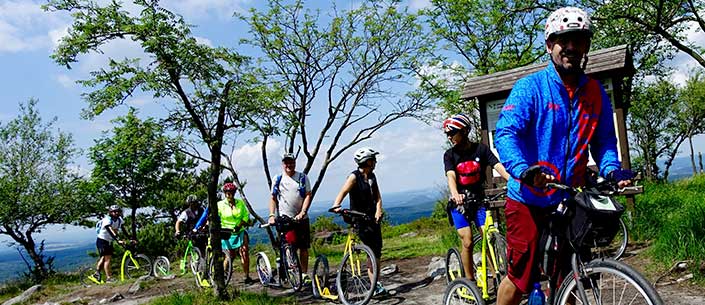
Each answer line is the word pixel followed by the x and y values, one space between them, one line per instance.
pixel 618 175
pixel 535 176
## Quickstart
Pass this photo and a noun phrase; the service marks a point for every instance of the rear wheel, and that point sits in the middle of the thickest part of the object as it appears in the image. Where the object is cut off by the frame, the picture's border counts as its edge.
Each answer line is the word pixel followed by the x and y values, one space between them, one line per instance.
pixel 462 291
pixel 607 281
pixel 357 276
pixel 320 275
pixel 138 266
pixel 499 246
pixel 162 267
pixel 227 268
pixel 617 247
pixel 454 266
pixel 293 267
pixel 264 268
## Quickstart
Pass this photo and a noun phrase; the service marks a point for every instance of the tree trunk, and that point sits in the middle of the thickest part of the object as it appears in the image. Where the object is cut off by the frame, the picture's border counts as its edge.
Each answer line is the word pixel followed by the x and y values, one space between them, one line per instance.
pixel 700 156
pixel 28 244
pixel 692 155
pixel 214 222
pixel 133 214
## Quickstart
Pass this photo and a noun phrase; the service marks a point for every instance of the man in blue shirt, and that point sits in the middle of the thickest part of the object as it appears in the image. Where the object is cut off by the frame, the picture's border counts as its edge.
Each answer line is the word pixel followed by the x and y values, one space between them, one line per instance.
pixel 552 120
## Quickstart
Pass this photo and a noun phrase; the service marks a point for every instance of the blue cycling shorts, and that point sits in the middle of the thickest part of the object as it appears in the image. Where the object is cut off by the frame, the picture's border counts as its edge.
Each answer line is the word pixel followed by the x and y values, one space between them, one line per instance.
pixel 461 221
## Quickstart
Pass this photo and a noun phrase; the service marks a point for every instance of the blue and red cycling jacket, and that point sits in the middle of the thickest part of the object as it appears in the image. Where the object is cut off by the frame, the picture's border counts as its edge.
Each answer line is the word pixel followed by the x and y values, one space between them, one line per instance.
pixel 540 125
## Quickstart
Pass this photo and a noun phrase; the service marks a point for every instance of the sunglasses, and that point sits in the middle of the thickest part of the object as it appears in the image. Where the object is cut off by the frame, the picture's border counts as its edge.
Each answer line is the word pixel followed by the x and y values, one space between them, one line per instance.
pixel 452 132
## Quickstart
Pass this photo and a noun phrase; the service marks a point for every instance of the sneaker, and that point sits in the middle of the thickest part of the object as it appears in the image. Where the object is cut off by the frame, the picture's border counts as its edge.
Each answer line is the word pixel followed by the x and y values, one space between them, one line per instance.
pixel 248 280
pixel 379 289
pixel 96 275
pixel 305 279
pixel 111 280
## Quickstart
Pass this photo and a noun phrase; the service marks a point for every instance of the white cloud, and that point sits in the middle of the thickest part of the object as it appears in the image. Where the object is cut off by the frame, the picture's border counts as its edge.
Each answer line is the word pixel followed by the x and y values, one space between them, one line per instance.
pixel 117 50
pixel 204 41
pixel 139 101
pixel 452 74
pixel 249 156
pixel 203 9
pixel 683 63
pixel 65 81
pixel 419 4
pixel 24 26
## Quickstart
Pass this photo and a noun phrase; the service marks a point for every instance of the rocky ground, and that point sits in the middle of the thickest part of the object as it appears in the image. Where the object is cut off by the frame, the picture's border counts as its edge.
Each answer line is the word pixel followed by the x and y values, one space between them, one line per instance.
pixel 413 282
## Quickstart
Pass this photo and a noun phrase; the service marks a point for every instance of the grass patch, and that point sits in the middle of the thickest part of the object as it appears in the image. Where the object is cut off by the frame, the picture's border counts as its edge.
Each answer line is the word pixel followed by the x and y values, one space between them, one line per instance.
pixel 672 215
pixel 198 298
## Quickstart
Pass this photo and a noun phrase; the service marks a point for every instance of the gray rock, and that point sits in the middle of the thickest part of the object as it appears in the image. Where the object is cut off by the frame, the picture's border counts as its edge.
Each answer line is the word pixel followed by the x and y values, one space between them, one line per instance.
pixel 409 234
pixel 437 267
pixel 116 297
pixel 389 270
pixel 24 296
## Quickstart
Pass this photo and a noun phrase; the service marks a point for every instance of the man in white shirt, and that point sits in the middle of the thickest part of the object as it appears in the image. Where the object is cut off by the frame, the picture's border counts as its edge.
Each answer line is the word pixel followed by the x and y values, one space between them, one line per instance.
pixel 291 196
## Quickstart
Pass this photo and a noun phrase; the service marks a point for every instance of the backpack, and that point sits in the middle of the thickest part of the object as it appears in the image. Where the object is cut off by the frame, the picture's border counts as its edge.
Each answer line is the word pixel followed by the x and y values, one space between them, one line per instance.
pixel 302 185
pixel 594 221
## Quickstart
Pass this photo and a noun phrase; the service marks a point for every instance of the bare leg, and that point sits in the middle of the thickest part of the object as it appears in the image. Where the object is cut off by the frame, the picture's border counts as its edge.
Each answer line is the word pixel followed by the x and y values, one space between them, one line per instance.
pixel 508 293
pixel 106 265
pixel 303 258
pixel 245 256
pixel 465 235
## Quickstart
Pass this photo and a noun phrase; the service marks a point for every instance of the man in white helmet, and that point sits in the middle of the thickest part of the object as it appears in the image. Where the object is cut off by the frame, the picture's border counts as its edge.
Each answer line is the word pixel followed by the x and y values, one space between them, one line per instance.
pixel 552 120
pixel 365 197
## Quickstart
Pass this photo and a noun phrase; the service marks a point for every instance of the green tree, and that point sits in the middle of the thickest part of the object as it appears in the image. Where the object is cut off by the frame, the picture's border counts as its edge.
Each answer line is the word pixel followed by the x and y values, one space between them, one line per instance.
pixel 690 117
pixel 207 89
pixel 652 118
pixel 355 73
pixel 489 36
pixel 37 185
pixel 131 161
pixel 669 20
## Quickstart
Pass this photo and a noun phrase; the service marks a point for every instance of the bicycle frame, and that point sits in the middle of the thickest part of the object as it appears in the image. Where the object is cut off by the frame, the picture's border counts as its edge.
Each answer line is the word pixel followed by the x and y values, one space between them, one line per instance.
pixel 487 229
pixel 184 260
pixel 125 255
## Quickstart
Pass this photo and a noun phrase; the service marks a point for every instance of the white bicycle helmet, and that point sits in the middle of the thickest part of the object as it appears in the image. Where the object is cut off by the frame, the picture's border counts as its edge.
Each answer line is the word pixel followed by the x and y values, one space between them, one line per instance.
pixel 456 122
pixel 364 154
pixel 568 19
pixel 114 207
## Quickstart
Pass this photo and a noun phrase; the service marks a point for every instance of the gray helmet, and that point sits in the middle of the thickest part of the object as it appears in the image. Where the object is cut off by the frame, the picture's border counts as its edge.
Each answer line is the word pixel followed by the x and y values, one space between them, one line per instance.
pixel 364 154
pixel 114 207
pixel 191 199
pixel 288 156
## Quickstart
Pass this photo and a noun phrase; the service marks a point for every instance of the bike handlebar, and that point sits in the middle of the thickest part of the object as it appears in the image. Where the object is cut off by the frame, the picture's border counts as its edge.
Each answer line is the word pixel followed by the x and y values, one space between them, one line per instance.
pixel 349 212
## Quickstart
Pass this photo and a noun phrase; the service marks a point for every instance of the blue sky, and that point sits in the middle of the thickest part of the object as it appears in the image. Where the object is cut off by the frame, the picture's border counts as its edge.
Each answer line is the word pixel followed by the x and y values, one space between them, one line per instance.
pixel 411 151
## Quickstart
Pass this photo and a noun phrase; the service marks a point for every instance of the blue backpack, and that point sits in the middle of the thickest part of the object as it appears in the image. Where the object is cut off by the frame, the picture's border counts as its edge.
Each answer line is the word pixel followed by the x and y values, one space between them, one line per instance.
pixel 302 185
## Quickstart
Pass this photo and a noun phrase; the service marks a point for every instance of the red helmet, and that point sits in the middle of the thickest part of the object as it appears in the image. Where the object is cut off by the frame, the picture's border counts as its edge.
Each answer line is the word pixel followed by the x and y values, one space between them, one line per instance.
pixel 456 122
pixel 229 187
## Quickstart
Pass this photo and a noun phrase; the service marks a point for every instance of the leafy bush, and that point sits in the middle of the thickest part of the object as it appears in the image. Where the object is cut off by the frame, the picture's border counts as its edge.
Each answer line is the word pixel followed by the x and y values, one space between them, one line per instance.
pixel 324 224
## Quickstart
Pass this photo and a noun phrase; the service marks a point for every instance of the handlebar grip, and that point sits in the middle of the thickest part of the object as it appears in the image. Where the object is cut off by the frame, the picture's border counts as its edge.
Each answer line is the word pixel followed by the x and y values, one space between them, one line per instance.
pixel 264 225
pixel 557 186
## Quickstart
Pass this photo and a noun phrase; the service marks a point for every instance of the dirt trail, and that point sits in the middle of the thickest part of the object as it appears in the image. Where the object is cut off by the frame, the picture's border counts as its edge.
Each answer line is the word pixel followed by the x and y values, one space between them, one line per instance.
pixel 409 285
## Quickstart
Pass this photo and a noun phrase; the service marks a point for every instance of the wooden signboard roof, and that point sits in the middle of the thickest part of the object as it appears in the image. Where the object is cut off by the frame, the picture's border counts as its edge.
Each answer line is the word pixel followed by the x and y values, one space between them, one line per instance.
pixel 615 61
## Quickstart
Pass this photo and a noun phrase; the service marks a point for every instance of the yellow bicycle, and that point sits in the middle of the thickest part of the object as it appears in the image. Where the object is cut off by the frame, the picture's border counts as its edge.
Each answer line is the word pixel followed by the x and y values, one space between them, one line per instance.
pixel 206 264
pixel 357 274
pixel 489 251
pixel 131 266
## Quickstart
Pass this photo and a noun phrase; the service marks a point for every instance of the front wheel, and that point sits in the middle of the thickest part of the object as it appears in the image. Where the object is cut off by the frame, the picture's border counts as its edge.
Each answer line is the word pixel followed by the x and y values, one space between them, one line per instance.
pixel 320 275
pixel 462 291
pixel 357 276
pixel 193 256
pixel 454 266
pixel 293 267
pixel 138 266
pixel 162 267
pixel 264 268
pixel 607 281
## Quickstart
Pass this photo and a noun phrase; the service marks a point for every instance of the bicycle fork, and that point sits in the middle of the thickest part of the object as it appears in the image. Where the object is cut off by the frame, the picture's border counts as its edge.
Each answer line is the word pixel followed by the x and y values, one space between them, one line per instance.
pixel 578 275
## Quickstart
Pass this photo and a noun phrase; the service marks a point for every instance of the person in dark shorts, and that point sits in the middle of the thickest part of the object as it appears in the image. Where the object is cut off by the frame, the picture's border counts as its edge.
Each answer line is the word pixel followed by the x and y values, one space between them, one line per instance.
pixel 186 221
pixel 107 233
pixel 465 165
pixel 363 188
pixel 291 197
